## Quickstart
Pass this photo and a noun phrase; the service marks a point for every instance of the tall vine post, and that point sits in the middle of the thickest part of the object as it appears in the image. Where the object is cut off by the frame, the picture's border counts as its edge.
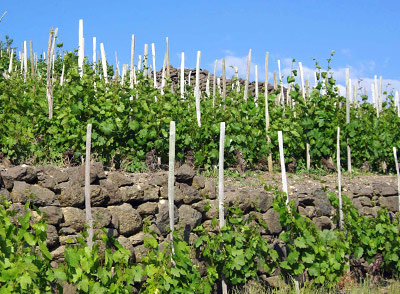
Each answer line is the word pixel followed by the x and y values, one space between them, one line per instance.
pixel 348 99
pixel 270 166
pixel 49 88
pixel 171 179
pixel 88 209
pixel 182 75
pixel 197 93
pixel 398 175
pixel 132 75
pixel 223 82
pixel 283 168
pixel 246 86
pixel 81 53
pixel 339 180
pixel 214 81
pixel 167 58
pixel 104 62
pixel 221 209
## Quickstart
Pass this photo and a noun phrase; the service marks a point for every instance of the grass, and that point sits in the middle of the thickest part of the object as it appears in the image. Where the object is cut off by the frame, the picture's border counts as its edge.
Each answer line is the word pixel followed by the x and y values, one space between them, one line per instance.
pixel 366 287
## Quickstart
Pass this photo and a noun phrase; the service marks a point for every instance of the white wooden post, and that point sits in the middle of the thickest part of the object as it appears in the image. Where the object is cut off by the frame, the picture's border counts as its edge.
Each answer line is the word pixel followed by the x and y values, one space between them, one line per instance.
pixel 256 85
pixel 376 94
pixel 88 208
pixel 303 90
pixel 283 168
pixel 62 75
pixel 270 167
pixel 348 98
pixel 25 59
pixel 104 62
pixel 380 93
pixel 223 82
pixel 214 81
pixel 397 103
pixel 171 177
pixel 94 57
pixel 221 208
pixel 132 76
pixel 339 181
pixel 183 75
pixel 398 175
pixel 237 79
pixel 81 52
pixel 208 85
pixel 153 53
pixel 197 93
pixel 145 57
pixel 281 96
pixel 11 61
pixel 246 86
pixel 167 57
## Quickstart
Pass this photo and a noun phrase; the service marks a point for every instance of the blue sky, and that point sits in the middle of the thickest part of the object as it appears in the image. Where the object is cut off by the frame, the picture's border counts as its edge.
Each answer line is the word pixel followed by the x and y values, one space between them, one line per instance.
pixel 364 34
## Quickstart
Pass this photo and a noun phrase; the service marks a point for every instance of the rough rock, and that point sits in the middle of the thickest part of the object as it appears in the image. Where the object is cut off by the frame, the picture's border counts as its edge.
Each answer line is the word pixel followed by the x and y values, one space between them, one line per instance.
pixel 390 202
pixel 271 218
pixel 74 218
pixel 49 177
pixel 41 196
pixel 323 206
pixel 52 237
pixel 384 189
pixel 189 218
pixel 148 208
pixel 119 179
pixel 189 193
pixel 72 194
pixel 198 182
pixel 126 243
pixel 96 198
pixel 128 219
pixel 101 217
pixel 185 174
pixel 210 190
pixel 139 193
pixel 58 254
pixel 323 222
pixel 53 214
pixel 162 217
pixel 308 211
pixel 109 192
pixel 21 173
pixel 137 239
pixel 159 179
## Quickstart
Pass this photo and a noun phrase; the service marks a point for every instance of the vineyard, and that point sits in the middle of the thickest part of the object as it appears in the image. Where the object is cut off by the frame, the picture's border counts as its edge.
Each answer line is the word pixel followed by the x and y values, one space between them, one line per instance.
pixel 59 106
pixel 130 114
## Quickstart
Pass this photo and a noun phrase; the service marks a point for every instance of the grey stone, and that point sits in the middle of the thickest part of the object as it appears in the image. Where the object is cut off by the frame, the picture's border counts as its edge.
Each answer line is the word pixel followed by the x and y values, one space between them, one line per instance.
pixel 189 218
pixel 96 198
pixel 4 194
pixel 198 182
pixel 271 218
pixel 96 173
pixel 390 202
pixel 74 218
pixel 159 179
pixel 184 174
pixel 148 208
pixel 323 206
pixel 130 221
pixel 139 193
pixel 127 244
pixel 189 193
pixel 109 192
pixel 58 254
pixel 308 211
pixel 365 201
pixel 101 217
pixel 323 222
pixel 209 191
pixel 162 217
pixel 72 194
pixel 275 282
pixel 52 214
pixel 140 252
pixel 49 176
pixel 370 211
pixel 357 203
pixel 67 231
pixel 41 196
pixel 119 179
pixel 384 189
pixel 137 239
pixel 52 237
pixel 21 173
pixel 363 191
pixel 209 208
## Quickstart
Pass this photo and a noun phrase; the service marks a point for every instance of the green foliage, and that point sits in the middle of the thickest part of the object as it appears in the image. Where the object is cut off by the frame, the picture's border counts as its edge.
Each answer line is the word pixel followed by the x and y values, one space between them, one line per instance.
pixel 369 236
pixel 128 122
pixel 24 257
pixel 94 271
pixel 170 269
pixel 320 253
pixel 237 251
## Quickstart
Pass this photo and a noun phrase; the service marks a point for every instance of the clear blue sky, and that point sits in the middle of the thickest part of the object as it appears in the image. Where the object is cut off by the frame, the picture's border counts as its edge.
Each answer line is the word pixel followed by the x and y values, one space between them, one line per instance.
pixel 365 34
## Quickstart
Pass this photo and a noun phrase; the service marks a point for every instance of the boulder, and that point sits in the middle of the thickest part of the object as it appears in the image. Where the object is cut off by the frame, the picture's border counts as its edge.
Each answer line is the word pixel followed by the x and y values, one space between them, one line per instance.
pixel 189 218
pixel 72 194
pixel 139 193
pixel 323 206
pixel 271 218
pixel 162 217
pixel 119 179
pixel 198 182
pixel 52 237
pixel 22 192
pixel 52 214
pixel 159 179
pixel 185 174
pixel 210 190
pixel 22 173
pixel 49 177
pixel 127 244
pixel 384 189
pixel 390 202
pixel 109 192
pixel 128 219
pixel 74 218
pixel 189 193
pixel 323 222
pixel 96 197
pixel 101 217
pixel 148 208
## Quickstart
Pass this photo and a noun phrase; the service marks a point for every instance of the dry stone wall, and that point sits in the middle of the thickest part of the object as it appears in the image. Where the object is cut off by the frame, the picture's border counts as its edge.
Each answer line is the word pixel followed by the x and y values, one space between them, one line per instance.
pixel 121 202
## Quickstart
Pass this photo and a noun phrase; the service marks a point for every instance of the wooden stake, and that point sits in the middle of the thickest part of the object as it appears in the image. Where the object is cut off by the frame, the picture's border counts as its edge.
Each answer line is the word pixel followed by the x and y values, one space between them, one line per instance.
pixel 104 62
pixel 88 208
pixel 348 98
pixel 221 208
pixel 214 81
pixel 171 178
pixel 81 53
pixel 208 85
pixel 4 14
pixel 283 168
pixel 32 58
pixel 223 82
pixel 397 103
pixel 197 93
pixel 153 53
pixel 398 175
pixel 132 76
pixel 270 166
pixel 94 57
pixel 11 61
pixel 145 57
pixel 49 88
pixel 308 157
pixel 256 85
pixel 183 75
pixel 168 66
pixel 246 86
pixel 339 181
